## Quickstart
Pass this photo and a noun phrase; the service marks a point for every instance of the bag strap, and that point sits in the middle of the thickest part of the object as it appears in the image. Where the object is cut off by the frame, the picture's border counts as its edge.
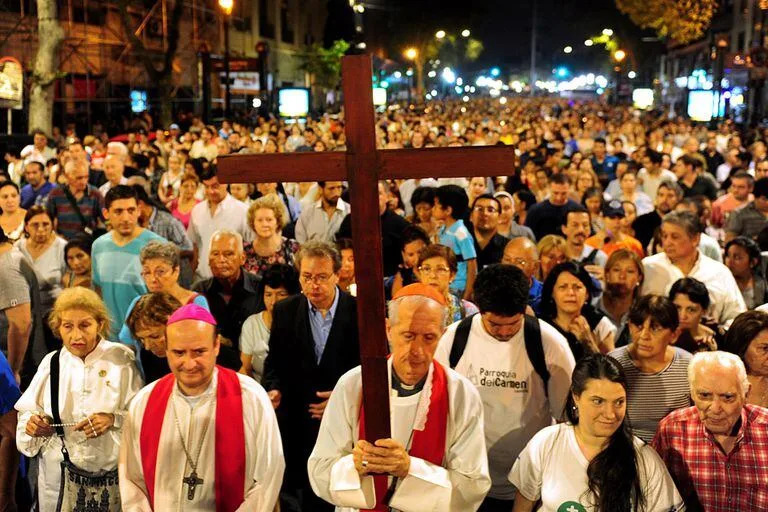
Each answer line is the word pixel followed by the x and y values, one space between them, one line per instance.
pixel 73 202
pixel 460 341
pixel 55 401
pixel 535 349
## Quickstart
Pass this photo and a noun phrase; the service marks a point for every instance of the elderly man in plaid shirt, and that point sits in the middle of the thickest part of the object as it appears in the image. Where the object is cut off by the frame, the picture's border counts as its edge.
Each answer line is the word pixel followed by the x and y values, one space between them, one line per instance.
pixel 717 450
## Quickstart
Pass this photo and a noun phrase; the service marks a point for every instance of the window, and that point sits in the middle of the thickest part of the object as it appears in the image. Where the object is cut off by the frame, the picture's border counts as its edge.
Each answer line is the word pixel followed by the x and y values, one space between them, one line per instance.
pixel 266 19
pixel 286 22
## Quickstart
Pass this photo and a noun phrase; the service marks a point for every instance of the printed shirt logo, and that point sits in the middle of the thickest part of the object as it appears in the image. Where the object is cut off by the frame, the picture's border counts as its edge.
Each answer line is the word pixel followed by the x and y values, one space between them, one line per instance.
pixel 571 506
pixel 485 378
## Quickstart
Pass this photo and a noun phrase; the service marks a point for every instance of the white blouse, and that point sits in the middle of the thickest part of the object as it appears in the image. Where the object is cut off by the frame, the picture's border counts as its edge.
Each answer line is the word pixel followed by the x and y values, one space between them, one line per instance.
pixel 104 382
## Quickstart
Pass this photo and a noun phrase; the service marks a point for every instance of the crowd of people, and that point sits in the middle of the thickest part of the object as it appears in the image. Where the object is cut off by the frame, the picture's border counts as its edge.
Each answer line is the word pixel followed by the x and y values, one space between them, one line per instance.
pixel 586 333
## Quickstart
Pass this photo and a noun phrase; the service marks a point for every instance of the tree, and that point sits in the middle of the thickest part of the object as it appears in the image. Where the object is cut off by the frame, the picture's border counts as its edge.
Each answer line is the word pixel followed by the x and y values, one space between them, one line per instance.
pixel 454 52
pixel 45 70
pixel 681 20
pixel 162 76
pixel 323 64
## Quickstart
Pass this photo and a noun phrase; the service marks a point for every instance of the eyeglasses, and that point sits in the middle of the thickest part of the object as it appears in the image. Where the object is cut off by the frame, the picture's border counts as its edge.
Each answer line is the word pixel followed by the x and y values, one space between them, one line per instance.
pixel 159 273
pixel 486 209
pixel 518 262
pixel 318 279
pixel 434 270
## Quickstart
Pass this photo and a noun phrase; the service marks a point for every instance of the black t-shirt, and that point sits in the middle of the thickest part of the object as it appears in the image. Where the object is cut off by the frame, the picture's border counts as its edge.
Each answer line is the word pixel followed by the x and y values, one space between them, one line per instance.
pixel 645 227
pixel 492 253
pixel 700 187
pixel 392 226
pixel 544 218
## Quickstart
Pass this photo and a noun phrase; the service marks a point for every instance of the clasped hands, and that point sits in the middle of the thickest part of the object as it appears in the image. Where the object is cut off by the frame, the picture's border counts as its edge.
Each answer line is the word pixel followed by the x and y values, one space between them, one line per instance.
pixel 386 456
pixel 93 426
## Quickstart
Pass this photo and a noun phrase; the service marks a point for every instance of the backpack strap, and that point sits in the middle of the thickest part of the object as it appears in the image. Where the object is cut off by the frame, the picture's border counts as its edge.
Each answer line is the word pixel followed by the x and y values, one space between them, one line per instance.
pixel 590 259
pixel 535 349
pixel 460 340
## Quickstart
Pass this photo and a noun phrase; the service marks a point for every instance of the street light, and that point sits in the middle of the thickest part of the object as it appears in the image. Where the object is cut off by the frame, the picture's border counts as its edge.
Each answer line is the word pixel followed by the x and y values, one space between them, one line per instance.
pixel 465 32
pixel 619 55
pixel 440 34
pixel 588 42
pixel 411 53
pixel 226 8
pixel 607 32
pixel 568 49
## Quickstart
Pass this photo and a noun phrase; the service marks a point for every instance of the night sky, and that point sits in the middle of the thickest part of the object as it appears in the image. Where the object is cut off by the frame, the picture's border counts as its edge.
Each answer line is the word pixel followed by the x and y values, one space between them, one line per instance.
pixel 504 27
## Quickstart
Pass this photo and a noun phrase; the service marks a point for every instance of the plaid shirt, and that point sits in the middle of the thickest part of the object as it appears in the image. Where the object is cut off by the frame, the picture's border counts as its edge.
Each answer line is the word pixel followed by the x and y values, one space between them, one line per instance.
pixel 709 479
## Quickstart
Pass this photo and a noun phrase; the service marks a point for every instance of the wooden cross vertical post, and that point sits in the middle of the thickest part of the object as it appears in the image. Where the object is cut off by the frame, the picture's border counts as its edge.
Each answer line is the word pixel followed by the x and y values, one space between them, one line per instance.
pixel 362 166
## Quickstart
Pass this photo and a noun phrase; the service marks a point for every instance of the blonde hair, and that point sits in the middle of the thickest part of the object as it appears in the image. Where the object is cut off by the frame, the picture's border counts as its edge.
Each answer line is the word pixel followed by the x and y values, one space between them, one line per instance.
pixel 83 299
pixel 269 202
pixel 549 243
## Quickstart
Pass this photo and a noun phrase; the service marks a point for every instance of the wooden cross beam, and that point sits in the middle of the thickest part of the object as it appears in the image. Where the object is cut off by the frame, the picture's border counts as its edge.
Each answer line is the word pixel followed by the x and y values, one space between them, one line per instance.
pixel 362 166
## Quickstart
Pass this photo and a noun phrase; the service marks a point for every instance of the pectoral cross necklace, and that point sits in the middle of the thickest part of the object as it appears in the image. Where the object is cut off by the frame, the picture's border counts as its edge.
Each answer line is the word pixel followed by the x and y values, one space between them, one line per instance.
pixel 192 480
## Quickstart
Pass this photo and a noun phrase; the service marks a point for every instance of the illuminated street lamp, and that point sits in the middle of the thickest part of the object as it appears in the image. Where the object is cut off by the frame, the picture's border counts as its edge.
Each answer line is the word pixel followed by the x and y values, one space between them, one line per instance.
pixel 568 49
pixel 465 32
pixel 226 8
pixel 619 55
pixel 607 32
pixel 440 34
pixel 411 53
pixel 588 42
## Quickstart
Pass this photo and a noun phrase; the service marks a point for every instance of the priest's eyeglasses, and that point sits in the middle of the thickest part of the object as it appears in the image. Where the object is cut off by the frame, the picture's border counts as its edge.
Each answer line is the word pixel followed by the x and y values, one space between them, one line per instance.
pixel 317 279
pixel 426 269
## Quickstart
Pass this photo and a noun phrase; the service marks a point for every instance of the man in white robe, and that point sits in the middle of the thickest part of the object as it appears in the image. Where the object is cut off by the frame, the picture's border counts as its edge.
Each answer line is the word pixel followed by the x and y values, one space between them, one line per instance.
pixel 341 463
pixel 204 427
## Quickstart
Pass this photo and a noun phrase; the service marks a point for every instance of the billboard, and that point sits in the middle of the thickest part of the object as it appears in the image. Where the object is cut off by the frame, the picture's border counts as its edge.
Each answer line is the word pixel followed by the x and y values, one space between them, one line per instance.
pixel 11 82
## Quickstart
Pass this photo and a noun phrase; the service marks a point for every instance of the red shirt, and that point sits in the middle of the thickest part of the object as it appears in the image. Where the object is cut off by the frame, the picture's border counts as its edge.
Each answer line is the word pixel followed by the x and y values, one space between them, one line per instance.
pixel 707 478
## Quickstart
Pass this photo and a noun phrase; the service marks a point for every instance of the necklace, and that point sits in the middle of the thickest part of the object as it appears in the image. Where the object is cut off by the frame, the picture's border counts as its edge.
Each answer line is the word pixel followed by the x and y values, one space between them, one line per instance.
pixel 192 481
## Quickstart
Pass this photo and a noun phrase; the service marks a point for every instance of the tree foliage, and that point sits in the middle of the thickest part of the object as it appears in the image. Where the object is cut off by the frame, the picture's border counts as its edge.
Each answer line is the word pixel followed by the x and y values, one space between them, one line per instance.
pixel 324 64
pixel 681 20
pixel 161 76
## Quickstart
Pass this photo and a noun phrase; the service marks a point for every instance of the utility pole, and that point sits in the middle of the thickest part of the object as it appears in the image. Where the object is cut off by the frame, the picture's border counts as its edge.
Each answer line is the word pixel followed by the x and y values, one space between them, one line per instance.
pixel 533 47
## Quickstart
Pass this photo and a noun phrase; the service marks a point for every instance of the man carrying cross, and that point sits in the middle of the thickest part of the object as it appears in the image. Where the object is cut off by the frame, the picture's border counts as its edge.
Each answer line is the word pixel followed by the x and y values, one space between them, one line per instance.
pixel 203 438
pixel 435 458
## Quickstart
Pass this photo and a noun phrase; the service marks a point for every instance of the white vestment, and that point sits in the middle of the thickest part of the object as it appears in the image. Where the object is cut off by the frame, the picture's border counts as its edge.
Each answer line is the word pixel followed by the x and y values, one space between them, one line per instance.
pixel 459 485
pixel 104 382
pixel 264 463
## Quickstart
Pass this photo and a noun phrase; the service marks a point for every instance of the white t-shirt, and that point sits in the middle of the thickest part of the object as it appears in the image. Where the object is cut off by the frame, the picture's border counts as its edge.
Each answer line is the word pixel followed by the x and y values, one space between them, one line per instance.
pixel 514 403
pixel 553 468
pixel 254 341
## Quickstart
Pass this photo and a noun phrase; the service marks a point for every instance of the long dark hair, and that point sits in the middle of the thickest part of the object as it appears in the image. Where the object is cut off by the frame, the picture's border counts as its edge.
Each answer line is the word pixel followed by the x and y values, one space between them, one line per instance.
pixel 548 306
pixel 613 475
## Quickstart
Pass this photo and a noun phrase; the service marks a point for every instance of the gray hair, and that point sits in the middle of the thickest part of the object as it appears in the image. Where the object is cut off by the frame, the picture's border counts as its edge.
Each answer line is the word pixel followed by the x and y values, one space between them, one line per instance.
pixel 318 249
pixel 417 301
pixel 228 233
pixel 722 359
pixel 673 186
pixel 122 149
pixel 686 220
pixel 160 250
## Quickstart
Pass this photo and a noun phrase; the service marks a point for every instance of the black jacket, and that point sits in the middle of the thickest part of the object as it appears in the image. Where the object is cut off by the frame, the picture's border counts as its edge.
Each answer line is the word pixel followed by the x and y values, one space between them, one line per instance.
pixel 231 315
pixel 291 367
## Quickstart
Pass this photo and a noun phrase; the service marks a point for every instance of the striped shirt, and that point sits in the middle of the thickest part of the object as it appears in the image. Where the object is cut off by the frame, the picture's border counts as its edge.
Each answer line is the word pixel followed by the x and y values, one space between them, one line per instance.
pixel 651 396
pixel 68 222
pixel 747 221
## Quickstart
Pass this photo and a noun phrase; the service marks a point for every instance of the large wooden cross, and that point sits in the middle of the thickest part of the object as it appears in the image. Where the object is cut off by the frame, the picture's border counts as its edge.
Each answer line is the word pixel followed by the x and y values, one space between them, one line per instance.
pixel 362 165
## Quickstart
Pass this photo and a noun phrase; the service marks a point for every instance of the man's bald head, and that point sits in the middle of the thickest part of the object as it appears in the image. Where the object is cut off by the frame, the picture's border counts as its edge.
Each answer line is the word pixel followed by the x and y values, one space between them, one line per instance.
pixel 522 253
